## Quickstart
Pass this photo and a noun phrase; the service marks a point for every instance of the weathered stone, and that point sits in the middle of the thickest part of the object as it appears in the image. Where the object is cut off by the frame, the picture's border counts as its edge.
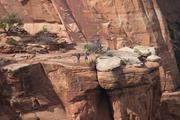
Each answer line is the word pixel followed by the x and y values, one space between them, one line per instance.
pixel 126 77
pixel 128 85
pixel 127 49
pixel 9 49
pixel 125 23
pixel 129 58
pixel 145 50
pixel 106 63
pixel 33 10
pixel 15 67
pixel 152 65
pixel 36 49
pixel 153 58
pixel 170 106
pixel 78 88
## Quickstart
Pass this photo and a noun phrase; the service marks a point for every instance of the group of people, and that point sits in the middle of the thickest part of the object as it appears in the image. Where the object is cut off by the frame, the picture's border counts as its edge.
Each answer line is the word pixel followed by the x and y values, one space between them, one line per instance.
pixel 78 57
pixel 94 48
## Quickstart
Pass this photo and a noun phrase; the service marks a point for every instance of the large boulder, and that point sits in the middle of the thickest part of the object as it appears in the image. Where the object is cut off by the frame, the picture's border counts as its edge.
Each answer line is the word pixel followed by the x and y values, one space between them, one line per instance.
pixel 120 64
pixel 145 50
pixel 106 63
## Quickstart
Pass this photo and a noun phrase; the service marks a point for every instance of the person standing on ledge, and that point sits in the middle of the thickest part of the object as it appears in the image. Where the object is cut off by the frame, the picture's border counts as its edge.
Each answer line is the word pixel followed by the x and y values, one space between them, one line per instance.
pixel 98 46
pixel 78 56
pixel 86 56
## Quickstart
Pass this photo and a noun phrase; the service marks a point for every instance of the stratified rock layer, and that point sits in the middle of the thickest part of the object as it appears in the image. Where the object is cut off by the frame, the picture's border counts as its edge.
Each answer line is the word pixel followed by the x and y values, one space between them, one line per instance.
pixel 65 90
pixel 30 11
pixel 134 91
pixel 127 23
pixel 79 91
pixel 117 23
pixel 170 106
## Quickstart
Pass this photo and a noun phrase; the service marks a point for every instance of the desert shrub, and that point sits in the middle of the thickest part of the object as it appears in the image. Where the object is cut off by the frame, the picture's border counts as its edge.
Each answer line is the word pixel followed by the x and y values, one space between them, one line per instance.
pixel 93 47
pixel 87 48
pixel 11 41
pixel 44 29
pixel 10 21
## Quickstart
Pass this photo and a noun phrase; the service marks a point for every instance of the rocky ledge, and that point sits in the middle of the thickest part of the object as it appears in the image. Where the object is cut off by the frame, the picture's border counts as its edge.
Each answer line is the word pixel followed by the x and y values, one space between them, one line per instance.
pixel 125 85
pixel 131 79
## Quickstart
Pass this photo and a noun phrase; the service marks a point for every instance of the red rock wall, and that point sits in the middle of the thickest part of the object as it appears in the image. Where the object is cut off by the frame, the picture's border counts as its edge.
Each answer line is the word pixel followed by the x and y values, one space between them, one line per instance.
pixel 32 11
pixel 126 23
pixel 79 91
pixel 116 22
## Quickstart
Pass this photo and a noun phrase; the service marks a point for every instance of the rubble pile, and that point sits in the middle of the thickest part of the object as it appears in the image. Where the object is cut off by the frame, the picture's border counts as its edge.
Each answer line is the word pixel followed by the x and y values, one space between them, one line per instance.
pixel 42 43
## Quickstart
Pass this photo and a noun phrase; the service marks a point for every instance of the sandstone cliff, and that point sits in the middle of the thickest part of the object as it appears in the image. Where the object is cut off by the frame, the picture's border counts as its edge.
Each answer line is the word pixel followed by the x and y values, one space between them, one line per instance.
pixel 81 93
pixel 30 11
pixel 127 23
pixel 69 91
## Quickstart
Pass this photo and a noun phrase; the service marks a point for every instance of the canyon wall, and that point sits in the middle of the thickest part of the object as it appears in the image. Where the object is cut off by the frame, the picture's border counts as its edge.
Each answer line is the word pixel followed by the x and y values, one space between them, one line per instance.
pixel 171 12
pixel 116 23
pixel 64 90
pixel 121 23
pixel 30 10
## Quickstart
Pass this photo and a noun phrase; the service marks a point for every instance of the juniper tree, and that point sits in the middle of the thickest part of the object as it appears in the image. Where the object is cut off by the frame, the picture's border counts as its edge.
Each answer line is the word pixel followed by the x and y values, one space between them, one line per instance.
pixel 10 21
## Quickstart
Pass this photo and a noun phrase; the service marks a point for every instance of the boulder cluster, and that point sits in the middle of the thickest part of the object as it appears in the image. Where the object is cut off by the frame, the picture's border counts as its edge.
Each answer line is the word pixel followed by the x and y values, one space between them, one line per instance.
pixel 137 57
pixel 42 42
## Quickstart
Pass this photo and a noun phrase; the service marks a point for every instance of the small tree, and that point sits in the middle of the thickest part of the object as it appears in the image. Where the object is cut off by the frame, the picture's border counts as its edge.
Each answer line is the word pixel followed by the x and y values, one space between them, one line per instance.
pixel 44 29
pixel 10 21
pixel 87 48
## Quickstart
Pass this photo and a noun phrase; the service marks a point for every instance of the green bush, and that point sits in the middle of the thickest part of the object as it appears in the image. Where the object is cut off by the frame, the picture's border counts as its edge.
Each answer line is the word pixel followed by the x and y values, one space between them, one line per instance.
pixel 11 41
pixel 87 48
pixel 10 21
pixel 44 29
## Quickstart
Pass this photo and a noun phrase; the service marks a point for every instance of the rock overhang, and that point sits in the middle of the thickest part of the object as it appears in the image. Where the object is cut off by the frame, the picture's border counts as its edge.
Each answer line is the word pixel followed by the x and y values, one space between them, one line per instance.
pixel 125 68
pixel 124 57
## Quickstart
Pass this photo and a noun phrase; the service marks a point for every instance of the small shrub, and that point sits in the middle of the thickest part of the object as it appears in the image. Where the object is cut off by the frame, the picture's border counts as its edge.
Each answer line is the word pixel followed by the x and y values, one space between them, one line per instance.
pixel 44 29
pixel 87 48
pixel 11 41
pixel 10 21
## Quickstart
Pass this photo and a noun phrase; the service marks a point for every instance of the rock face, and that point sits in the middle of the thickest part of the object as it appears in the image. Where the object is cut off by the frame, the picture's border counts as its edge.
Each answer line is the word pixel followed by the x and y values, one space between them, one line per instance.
pixel 79 91
pixel 64 89
pixel 127 23
pixel 31 10
pixel 24 83
pixel 67 91
pixel 134 91
pixel 170 106
pixel 6 113
pixel 116 22
pixel 171 11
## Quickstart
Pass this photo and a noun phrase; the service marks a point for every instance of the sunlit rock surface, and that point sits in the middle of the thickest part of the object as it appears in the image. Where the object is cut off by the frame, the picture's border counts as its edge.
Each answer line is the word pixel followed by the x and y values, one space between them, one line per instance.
pixel 134 90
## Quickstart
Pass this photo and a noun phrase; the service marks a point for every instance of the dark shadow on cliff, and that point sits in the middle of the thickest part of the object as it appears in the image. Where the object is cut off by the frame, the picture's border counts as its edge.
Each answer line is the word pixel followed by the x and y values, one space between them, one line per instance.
pixel 44 86
pixel 171 12
pixel 105 108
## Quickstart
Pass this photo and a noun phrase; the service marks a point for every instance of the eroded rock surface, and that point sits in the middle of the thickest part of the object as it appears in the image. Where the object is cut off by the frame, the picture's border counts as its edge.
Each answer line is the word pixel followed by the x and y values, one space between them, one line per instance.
pixel 127 23
pixel 30 11
pixel 65 90
pixel 170 106
pixel 117 23
pixel 134 91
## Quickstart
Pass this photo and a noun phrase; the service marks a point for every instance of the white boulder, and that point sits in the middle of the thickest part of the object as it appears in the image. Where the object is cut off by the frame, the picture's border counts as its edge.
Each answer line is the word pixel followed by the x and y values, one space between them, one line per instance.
pixel 106 63
pixel 153 58
pixel 145 50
